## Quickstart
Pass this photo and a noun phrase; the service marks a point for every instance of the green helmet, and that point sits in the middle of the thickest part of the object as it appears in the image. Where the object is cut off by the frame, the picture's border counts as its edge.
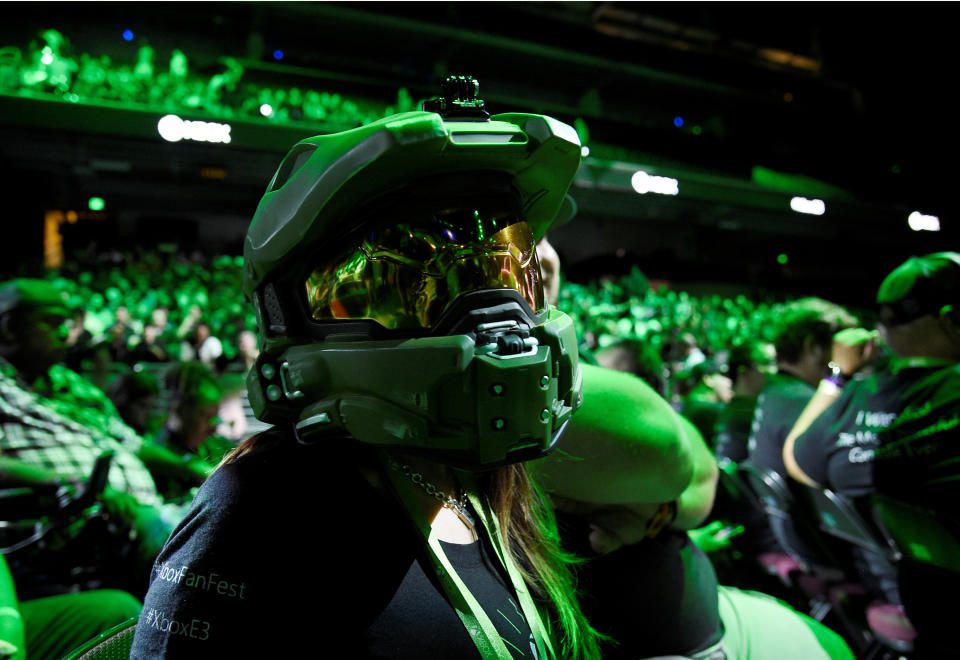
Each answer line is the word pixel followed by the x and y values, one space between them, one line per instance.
pixel 394 275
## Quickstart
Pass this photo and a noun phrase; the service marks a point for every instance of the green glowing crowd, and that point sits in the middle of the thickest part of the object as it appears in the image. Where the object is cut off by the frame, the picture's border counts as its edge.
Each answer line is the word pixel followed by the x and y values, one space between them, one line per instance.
pixel 49 68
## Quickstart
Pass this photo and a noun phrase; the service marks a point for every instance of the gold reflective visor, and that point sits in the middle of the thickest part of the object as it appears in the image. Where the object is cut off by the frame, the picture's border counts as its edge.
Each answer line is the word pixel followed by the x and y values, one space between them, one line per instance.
pixel 405 276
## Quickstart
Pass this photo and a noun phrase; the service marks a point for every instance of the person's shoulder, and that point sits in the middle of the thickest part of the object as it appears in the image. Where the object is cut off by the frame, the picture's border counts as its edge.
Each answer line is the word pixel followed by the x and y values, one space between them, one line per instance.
pixel 947 374
pixel 603 382
pixel 66 379
pixel 276 466
pixel 741 402
pixel 939 388
pixel 266 452
pixel 613 400
pixel 787 386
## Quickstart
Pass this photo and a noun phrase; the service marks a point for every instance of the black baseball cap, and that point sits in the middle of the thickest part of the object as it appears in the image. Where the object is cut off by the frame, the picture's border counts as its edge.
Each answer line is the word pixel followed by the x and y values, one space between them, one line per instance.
pixel 920 286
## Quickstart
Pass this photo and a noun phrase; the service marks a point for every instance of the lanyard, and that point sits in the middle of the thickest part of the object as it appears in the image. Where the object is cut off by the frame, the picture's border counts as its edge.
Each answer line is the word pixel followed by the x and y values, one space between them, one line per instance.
pixel 481 629
pixel 492 526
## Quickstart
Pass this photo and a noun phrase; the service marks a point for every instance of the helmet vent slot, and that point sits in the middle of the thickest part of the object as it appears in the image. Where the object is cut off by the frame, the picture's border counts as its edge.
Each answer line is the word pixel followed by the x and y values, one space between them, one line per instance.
pixel 274 311
pixel 296 159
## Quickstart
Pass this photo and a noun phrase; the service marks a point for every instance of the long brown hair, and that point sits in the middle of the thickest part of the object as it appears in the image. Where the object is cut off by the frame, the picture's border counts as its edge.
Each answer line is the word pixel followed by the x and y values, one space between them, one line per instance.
pixel 529 529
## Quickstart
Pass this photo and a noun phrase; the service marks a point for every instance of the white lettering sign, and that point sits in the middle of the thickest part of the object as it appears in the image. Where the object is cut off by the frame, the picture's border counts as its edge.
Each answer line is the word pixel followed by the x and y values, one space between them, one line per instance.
pixel 663 185
pixel 173 129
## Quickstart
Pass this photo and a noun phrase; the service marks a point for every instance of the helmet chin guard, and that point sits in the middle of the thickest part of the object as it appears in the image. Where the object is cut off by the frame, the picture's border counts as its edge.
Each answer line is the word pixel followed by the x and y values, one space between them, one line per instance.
pixel 488 383
pixel 502 393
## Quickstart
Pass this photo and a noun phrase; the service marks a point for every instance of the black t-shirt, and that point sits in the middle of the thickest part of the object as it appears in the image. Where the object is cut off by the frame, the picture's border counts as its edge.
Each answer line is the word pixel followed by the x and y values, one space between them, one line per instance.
pixel 778 407
pixel 733 427
pixel 896 432
pixel 656 597
pixel 703 414
pixel 288 552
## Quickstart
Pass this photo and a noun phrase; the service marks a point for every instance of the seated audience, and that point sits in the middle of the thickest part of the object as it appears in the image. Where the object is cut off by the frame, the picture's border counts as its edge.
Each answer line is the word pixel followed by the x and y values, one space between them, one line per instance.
pixel 747 366
pixel 186 450
pixel 247 349
pixel 893 431
pixel 149 348
pixel 704 395
pixel 54 424
pixel 135 393
pixel 645 583
pixel 802 340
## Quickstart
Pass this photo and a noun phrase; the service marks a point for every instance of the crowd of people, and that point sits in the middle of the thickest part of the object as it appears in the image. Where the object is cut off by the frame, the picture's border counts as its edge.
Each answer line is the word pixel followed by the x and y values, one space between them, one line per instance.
pixel 435 456
pixel 135 329
pixel 49 67
pixel 811 399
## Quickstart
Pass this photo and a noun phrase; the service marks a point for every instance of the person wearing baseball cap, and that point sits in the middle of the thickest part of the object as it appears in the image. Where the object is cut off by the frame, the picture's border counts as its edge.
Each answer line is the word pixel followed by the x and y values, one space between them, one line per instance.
pixel 893 431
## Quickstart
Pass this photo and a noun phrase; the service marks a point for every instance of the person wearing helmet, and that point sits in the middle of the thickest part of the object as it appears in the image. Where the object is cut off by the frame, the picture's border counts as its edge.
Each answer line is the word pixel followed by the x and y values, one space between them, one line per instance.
pixel 410 366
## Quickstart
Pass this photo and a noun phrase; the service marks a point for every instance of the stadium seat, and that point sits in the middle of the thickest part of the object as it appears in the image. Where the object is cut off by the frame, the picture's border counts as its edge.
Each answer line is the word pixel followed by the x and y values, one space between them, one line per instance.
pixel 113 644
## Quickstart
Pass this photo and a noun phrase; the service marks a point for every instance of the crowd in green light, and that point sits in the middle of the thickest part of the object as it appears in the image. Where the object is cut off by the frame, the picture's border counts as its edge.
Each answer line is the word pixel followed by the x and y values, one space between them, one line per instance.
pixel 108 286
pixel 613 308
pixel 48 68
pixel 103 290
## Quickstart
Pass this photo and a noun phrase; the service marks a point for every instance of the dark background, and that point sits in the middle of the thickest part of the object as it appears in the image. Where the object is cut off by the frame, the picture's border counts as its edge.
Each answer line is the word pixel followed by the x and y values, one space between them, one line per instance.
pixel 856 98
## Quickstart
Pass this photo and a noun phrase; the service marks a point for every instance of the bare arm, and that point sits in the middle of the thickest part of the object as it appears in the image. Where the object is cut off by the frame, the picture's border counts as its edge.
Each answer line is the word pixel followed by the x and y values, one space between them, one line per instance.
pixel 696 501
pixel 625 445
pixel 825 395
pixel 852 349
pixel 626 454
pixel 163 462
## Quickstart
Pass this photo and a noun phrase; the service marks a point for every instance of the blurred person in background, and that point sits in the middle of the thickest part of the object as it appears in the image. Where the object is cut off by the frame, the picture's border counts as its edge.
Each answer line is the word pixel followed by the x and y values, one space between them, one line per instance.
pixel 150 348
pixel 187 448
pixel 247 349
pixel 705 391
pixel 135 394
pixel 79 340
pixel 689 353
pixel 201 345
pixel 894 431
pixel 116 341
pixel 748 365
pixel 637 357
pixel 802 339
pixel 160 319
pixel 56 424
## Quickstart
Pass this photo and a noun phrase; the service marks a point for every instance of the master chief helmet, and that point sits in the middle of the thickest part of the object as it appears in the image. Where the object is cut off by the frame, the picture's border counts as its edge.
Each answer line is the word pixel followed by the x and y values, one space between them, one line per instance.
pixel 394 274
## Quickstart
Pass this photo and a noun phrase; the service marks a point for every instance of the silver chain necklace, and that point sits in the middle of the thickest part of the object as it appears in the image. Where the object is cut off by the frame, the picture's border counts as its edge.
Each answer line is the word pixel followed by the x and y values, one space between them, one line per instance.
pixel 459 507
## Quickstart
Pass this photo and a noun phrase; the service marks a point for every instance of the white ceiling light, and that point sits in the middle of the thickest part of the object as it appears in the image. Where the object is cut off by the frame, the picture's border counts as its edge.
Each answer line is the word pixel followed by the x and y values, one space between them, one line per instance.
pixel 810 206
pixel 920 222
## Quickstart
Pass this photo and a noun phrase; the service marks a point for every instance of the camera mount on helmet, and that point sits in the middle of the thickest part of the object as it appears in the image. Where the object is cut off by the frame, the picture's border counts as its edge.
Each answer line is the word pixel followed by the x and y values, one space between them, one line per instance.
pixel 459 99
